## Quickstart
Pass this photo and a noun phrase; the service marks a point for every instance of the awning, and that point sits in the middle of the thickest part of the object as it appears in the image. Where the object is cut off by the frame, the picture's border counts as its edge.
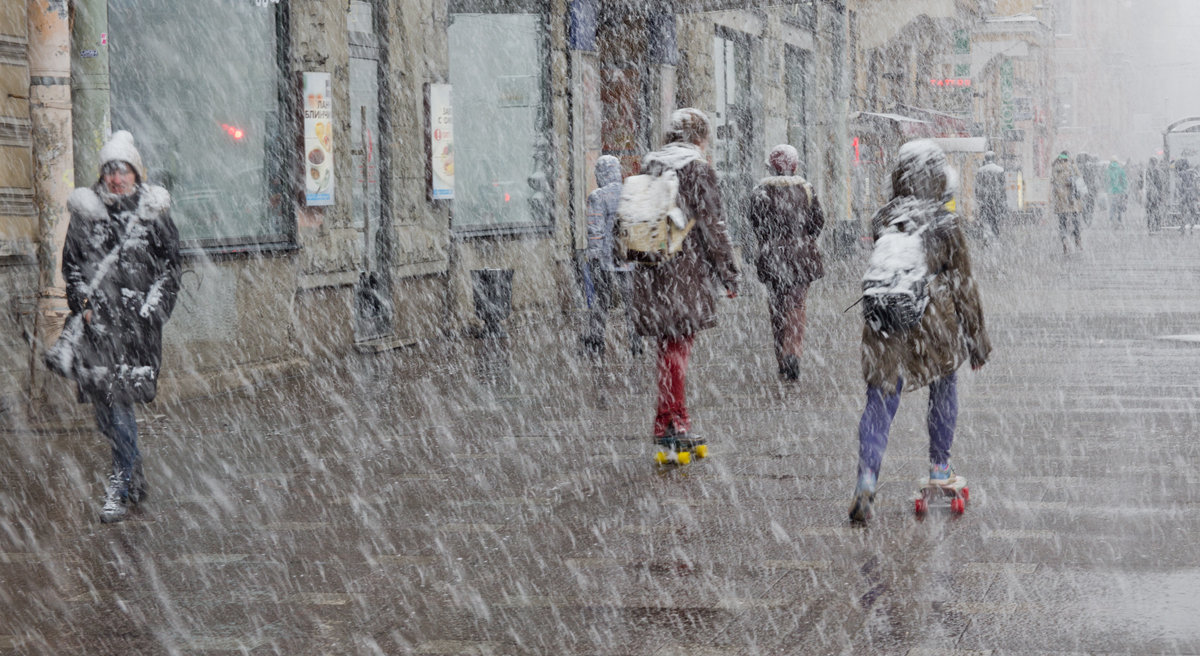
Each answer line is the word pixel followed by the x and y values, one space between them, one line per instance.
pixel 961 144
pixel 906 126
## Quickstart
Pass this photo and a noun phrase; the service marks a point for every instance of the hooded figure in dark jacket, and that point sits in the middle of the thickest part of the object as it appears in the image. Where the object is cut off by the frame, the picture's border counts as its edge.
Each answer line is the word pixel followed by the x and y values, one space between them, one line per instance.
pixel 950 331
pixel 121 265
pixel 603 271
pixel 674 300
pixel 787 220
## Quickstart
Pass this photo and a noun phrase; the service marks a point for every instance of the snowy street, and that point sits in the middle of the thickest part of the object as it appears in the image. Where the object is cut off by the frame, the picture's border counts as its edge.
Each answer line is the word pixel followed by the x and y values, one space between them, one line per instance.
pixel 419 502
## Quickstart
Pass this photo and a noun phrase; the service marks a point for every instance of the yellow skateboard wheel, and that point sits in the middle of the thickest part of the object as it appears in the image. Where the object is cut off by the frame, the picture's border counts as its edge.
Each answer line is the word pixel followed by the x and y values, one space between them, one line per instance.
pixel 684 457
pixel 661 458
pixel 702 451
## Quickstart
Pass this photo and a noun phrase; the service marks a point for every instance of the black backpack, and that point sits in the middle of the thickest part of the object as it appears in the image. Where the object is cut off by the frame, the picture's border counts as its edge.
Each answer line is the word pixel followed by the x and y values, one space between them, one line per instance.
pixel 895 286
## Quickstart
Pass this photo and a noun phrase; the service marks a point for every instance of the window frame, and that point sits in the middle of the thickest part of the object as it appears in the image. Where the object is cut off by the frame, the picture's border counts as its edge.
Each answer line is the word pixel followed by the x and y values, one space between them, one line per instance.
pixel 288 165
pixel 545 116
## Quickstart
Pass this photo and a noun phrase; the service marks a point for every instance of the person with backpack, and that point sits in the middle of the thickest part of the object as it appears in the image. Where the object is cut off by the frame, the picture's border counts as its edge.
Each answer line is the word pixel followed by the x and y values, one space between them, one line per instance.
pixel 673 298
pixel 924 318
pixel 1068 190
pixel 604 272
pixel 787 220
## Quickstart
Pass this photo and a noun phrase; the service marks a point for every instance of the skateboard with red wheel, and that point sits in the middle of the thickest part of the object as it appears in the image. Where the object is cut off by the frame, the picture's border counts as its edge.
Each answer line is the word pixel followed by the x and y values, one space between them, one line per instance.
pixel 930 493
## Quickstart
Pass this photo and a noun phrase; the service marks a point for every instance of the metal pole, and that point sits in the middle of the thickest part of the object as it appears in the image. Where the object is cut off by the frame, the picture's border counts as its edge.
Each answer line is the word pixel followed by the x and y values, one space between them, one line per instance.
pixel 89 86
pixel 366 187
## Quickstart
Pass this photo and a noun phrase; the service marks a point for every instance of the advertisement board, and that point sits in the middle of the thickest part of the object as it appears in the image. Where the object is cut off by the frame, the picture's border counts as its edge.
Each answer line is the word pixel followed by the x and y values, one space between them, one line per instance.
pixel 441 142
pixel 318 140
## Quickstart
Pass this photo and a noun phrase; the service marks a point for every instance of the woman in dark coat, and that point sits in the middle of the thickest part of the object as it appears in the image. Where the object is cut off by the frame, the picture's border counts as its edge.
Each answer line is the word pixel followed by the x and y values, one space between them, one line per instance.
pixel 121 265
pixel 787 220
pixel 950 332
pixel 674 300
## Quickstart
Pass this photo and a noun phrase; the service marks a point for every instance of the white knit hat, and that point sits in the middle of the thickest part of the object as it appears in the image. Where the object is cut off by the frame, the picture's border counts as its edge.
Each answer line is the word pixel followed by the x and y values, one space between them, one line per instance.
pixel 120 148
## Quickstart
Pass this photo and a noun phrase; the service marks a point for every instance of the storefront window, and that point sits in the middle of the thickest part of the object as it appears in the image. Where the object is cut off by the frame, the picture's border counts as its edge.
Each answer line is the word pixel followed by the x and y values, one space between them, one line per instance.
pixel 502 152
pixel 202 99
pixel 734 133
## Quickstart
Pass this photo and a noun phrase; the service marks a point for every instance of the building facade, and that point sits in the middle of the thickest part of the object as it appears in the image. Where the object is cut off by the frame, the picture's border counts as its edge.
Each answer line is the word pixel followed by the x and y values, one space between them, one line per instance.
pixel 342 171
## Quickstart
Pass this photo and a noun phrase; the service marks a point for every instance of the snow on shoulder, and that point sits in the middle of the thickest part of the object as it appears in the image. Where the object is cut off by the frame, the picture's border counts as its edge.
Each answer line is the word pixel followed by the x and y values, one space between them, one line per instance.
pixel 783 181
pixel 85 203
pixel 156 199
pixel 675 155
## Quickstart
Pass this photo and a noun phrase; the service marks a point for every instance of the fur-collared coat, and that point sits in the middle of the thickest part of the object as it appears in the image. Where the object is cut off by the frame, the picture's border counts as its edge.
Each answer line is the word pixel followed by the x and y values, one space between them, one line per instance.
pixel 120 351
pixel 787 219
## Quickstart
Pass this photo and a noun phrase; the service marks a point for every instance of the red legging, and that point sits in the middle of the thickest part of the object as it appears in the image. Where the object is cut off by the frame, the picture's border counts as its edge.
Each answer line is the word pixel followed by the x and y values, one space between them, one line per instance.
pixel 673 353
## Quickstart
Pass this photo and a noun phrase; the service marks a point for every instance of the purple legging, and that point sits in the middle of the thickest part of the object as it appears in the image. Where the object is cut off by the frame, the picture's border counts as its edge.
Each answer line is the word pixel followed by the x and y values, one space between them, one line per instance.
pixel 881 409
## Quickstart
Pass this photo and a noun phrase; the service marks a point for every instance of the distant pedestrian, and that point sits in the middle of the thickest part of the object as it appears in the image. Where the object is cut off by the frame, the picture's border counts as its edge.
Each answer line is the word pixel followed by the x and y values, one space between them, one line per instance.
pixel 950 330
pixel 674 300
pixel 1068 190
pixel 1189 192
pixel 605 274
pixel 787 219
pixel 989 193
pixel 1118 191
pixel 1155 188
pixel 1089 190
pixel 121 265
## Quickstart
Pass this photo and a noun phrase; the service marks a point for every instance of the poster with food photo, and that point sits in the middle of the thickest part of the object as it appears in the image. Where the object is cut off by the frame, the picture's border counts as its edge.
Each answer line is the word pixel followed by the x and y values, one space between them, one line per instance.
pixel 318 140
pixel 441 141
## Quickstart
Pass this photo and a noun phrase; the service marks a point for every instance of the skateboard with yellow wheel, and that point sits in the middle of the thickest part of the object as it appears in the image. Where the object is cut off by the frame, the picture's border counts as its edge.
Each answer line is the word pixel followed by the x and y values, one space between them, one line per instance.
pixel 680 449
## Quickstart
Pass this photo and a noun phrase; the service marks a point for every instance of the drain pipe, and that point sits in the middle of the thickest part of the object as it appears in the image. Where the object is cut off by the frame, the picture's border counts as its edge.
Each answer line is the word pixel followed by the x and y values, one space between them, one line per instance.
pixel 89 86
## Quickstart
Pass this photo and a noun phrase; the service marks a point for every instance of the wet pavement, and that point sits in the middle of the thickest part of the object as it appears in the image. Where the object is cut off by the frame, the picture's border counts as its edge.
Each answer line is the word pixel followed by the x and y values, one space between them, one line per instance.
pixel 460 499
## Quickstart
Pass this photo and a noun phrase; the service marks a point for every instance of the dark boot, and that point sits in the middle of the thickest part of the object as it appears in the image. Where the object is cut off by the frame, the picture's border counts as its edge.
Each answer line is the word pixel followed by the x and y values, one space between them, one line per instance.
pixel 790 368
pixel 138 490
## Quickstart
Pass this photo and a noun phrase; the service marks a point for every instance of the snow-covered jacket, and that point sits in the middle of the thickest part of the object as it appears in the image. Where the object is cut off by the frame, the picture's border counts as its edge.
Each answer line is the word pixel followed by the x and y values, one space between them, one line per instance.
pixel 602 212
pixel 1063 175
pixel 787 219
pixel 120 352
pixel 675 298
pixel 952 329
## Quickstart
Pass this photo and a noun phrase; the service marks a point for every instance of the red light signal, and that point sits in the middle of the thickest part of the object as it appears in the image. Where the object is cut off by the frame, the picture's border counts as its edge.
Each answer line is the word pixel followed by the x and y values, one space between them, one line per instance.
pixel 236 133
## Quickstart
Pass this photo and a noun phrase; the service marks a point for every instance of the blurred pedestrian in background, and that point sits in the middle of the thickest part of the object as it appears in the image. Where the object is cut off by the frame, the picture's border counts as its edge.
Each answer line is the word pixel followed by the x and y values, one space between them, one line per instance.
pixel 1118 191
pixel 989 193
pixel 605 274
pixel 1068 190
pixel 1090 190
pixel 787 219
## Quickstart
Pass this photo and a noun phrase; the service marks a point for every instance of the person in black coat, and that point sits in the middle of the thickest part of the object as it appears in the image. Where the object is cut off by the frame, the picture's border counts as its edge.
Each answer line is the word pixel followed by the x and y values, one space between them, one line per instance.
pixel 787 219
pixel 121 265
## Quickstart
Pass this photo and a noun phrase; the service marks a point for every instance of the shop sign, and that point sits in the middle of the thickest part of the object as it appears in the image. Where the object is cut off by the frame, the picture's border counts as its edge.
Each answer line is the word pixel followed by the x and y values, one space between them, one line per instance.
pixel 441 142
pixel 318 140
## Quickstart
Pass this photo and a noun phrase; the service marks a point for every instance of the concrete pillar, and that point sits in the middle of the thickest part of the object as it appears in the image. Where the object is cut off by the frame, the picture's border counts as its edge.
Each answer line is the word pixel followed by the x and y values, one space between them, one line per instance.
pixel 833 109
pixel 50 117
